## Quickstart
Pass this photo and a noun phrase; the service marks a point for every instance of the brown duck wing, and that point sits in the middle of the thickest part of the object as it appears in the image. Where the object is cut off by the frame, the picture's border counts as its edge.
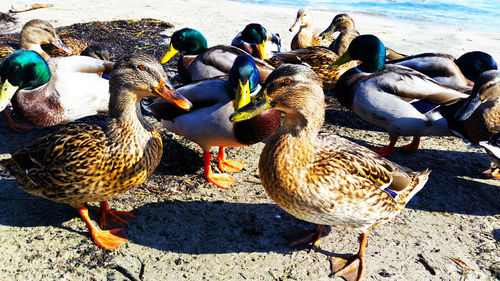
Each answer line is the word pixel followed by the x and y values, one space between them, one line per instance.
pixel 60 162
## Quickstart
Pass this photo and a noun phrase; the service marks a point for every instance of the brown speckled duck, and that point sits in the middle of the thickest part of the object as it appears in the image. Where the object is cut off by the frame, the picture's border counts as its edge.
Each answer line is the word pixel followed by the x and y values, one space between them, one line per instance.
pixel 325 179
pixel 96 159
pixel 306 37
pixel 34 34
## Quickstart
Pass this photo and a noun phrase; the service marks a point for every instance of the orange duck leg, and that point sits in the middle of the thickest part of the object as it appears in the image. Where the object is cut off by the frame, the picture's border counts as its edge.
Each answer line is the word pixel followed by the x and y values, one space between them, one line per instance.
pixel 228 166
pixel 106 239
pixel 389 150
pixel 351 269
pixel 313 235
pixel 220 180
pixel 13 125
pixel 112 218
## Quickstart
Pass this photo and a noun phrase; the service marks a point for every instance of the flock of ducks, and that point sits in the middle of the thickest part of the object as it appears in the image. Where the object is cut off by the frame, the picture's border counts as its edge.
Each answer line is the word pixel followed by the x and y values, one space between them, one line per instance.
pixel 238 95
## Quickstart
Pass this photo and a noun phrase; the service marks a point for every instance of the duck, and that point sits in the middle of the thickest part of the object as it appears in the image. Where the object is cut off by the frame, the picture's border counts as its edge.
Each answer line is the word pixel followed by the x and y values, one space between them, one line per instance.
pixel 492 148
pixel 34 34
pixel 49 92
pixel 207 124
pixel 305 36
pixel 394 97
pixel 323 178
pixel 478 118
pixel 319 59
pixel 99 157
pixel 199 62
pixel 257 41
pixel 446 69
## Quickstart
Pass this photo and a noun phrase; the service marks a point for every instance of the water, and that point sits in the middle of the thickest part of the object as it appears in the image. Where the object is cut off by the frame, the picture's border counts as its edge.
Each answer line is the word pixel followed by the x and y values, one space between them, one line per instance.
pixel 475 15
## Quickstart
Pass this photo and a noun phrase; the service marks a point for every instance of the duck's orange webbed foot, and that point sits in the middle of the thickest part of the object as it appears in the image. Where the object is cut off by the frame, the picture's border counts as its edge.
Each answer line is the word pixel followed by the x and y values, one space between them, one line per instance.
pixel 106 239
pixel 493 173
pixel 351 269
pixel 228 166
pixel 307 236
pixel 220 180
pixel 112 218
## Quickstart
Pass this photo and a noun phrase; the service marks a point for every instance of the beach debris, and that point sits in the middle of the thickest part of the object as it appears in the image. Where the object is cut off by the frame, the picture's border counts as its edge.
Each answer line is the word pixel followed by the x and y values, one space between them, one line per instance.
pixel 30 7
pixel 463 266
pixel 426 264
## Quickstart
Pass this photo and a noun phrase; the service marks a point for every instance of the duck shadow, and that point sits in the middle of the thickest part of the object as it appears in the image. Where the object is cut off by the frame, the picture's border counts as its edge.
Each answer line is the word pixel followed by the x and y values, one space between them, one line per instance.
pixel 178 159
pixel 18 208
pixel 200 227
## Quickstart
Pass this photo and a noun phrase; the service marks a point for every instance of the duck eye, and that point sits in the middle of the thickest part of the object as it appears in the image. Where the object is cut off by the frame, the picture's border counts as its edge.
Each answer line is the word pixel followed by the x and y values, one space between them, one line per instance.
pixel 16 68
pixel 141 67
pixel 288 81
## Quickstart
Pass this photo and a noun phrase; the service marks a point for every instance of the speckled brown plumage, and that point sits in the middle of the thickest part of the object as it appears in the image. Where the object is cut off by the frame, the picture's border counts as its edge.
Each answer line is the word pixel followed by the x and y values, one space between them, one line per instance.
pixel 325 179
pixel 319 59
pixel 98 157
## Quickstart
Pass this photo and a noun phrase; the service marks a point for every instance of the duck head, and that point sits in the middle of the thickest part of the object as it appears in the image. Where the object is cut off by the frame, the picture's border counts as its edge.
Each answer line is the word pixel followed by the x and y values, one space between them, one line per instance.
pixel 137 76
pixel 487 86
pixel 244 78
pixel 339 23
pixel 23 69
pixel 255 33
pixel 304 19
pixel 187 40
pixel 291 88
pixel 366 48
pixel 474 63
pixel 37 32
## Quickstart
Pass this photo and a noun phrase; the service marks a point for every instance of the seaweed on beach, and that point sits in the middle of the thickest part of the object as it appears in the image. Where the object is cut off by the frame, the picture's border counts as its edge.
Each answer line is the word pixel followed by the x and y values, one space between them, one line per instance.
pixel 120 37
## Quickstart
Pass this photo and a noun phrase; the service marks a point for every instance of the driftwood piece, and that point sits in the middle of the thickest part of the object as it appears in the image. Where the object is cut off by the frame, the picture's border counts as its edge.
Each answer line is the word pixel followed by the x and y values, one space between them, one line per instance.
pixel 30 7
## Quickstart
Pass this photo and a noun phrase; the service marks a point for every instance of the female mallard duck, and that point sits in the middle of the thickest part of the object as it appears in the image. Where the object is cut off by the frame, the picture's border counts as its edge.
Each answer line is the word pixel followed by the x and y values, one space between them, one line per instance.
pixel 257 41
pixel 208 123
pixel 396 98
pixel 325 179
pixel 200 62
pixel 319 59
pixel 96 159
pixel 48 92
pixel 449 71
pixel 492 147
pixel 306 37
pixel 478 119
pixel 34 34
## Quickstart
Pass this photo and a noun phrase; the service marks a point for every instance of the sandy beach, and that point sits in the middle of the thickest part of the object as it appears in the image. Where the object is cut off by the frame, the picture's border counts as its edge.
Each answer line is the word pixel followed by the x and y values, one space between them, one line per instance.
pixel 187 229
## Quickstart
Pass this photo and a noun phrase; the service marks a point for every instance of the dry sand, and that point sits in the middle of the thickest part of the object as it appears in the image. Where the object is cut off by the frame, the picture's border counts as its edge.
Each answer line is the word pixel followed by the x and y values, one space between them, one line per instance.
pixel 187 229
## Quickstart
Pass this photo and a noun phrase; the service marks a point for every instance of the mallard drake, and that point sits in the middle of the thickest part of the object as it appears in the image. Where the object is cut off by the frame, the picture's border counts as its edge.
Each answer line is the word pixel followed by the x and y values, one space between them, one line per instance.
pixel 208 123
pixel 257 41
pixel 34 34
pixel 96 159
pixel 306 37
pixel 319 59
pixel 199 62
pixel 323 178
pixel 48 92
pixel 492 147
pixel 396 98
pixel 444 69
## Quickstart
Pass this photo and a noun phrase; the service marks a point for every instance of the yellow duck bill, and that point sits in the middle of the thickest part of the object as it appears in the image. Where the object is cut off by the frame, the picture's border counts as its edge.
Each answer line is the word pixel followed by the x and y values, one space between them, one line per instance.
pixel 6 94
pixel 169 54
pixel 257 105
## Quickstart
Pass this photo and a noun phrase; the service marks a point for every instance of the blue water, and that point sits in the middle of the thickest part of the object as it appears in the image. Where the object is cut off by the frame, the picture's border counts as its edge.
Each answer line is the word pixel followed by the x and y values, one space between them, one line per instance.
pixel 476 15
